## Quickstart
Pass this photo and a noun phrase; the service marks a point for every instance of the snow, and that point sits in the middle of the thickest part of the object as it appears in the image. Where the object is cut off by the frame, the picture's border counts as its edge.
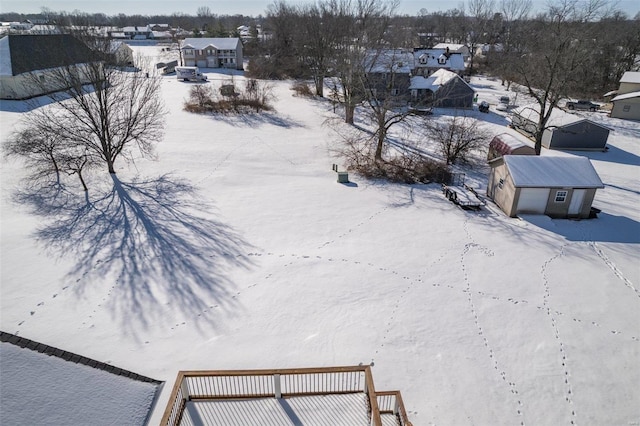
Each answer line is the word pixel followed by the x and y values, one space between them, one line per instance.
pixel 63 392
pixel 630 77
pixel 243 252
pixel 558 118
pixel 436 80
pixel 538 171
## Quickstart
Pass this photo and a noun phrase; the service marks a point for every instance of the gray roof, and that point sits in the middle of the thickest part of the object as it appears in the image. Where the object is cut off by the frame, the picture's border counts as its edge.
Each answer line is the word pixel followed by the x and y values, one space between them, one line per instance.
pixel 32 52
pixel 218 43
pixel 533 171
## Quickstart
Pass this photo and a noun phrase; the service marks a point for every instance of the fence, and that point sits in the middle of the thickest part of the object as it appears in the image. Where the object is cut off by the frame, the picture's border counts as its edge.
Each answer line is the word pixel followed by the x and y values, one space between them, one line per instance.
pixel 212 385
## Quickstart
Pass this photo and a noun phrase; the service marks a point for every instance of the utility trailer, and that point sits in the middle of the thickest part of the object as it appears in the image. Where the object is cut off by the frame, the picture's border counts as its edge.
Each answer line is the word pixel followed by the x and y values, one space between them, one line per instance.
pixel 462 195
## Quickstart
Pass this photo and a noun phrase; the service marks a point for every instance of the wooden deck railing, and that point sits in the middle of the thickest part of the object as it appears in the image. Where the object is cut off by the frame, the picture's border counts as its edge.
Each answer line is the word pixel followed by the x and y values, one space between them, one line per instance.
pixel 211 385
pixel 391 402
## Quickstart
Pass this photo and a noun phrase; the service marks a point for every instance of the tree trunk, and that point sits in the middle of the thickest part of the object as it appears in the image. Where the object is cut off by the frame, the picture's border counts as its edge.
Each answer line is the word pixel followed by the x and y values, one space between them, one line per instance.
pixel 84 185
pixel 110 166
pixel 349 111
pixel 319 86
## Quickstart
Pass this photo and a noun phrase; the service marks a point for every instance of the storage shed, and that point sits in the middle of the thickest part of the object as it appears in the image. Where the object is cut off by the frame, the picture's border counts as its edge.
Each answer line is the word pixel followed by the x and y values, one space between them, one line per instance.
pixel 559 187
pixel 507 144
pixel 565 131
pixel 443 89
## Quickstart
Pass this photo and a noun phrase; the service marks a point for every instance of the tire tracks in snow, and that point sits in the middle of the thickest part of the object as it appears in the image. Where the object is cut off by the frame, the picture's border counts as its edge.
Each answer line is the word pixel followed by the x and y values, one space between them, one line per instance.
pixel 512 386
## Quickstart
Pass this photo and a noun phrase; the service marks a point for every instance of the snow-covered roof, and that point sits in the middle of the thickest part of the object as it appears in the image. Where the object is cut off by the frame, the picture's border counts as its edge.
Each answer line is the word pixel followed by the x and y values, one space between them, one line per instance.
pixel 534 171
pixel 38 388
pixel 452 47
pixel 397 61
pixel 510 140
pixel 629 95
pixel 436 80
pixel 558 118
pixel 218 43
pixel 630 77
pixel 430 58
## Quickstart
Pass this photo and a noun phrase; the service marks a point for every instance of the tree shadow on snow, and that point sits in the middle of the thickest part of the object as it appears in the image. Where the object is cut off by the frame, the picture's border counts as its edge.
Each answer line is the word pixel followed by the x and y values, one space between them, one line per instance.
pixel 254 120
pixel 154 238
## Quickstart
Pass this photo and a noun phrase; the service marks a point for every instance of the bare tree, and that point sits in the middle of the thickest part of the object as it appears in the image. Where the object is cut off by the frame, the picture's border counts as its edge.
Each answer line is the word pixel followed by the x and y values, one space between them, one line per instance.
pixel 546 65
pixel 455 136
pixel 106 109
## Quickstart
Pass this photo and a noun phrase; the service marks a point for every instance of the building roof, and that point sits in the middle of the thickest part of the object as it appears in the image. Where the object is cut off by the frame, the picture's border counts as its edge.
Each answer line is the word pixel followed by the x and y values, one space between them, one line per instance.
pixel 436 80
pixel 31 52
pixel 45 385
pixel 390 60
pixel 218 43
pixel 510 141
pixel 558 118
pixel 629 95
pixel 534 171
pixel 631 77
pixel 428 58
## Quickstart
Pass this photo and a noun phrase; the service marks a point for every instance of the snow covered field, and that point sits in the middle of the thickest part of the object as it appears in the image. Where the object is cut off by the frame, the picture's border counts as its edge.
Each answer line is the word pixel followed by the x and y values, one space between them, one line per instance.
pixel 237 249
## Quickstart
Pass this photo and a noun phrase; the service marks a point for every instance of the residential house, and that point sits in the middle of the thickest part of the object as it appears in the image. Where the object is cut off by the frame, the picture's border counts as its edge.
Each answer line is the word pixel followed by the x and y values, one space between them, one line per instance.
pixel 213 52
pixel 455 48
pixel 428 61
pixel 388 74
pixel 557 186
pixel 137 33
pixel 565 131
pixel 443 88
pixel 626 103
pixel 25 57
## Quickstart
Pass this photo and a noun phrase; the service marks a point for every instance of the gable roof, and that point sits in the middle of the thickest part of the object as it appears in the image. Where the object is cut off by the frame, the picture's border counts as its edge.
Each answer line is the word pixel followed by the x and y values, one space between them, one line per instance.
pixel 218 43
pixel 21 53
pixel 436 80
pixel 389 61
pixel 428 58
pixel 558 118
pixel 630 77
pixel 534 171
pixel 629 95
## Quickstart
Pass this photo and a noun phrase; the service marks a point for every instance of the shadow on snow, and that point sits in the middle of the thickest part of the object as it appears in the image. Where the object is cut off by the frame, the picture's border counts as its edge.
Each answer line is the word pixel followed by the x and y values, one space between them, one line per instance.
pixel 152 237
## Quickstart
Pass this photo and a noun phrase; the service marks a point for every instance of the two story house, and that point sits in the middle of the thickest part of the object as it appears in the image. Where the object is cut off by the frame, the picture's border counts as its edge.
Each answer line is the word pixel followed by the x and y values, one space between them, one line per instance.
pixel 213 53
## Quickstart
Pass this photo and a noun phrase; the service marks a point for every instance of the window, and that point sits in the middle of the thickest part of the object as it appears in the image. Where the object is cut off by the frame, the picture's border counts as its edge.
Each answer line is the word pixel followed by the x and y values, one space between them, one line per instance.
pixel 626 108
pixel 395 92
pixel 41 77
pixel 561 196
pixel 501 183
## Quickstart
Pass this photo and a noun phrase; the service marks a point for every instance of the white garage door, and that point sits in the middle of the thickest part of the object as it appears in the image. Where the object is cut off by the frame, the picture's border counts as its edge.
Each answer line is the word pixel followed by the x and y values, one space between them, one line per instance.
pixel 533 200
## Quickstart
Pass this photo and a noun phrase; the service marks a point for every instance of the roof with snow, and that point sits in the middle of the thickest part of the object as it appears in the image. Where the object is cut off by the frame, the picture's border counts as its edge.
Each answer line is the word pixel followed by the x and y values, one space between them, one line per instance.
pixel 452 47
pixel 510 141
pixel 60 387
pixel 218 43
pixel 436 80
pixel 629 95
pixel 534 171
pixel 630 77
pixel 558 118
pixel 387 61
pixel 438 58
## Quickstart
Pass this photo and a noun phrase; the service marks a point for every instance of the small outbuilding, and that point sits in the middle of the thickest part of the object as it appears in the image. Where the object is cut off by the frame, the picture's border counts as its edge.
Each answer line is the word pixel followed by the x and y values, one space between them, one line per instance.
pixel 443 89
pixel 565 131
pixel 626 106
pixel 559 187
pixel 507 144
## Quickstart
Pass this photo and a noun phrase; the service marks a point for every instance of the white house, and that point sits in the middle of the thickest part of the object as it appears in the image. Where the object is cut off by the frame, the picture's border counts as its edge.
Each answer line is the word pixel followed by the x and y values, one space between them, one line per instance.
pixel 212 52
pixel 428 61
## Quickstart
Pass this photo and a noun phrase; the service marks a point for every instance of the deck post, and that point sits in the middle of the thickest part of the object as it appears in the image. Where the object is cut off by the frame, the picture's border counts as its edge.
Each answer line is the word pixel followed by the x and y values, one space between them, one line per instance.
pixel 185 389
pixel 276 386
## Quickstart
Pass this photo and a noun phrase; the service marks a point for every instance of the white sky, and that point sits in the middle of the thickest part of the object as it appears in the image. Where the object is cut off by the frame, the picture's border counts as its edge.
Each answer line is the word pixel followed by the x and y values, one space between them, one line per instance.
pixel 220 7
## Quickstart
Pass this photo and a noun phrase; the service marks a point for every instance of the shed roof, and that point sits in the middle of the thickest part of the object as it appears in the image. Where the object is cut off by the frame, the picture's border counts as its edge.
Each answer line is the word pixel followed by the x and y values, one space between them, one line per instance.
pixel 436 80
pixel 629 95
pixel 630 77
pixel 533 171
pixel 558 118
pixel 218 43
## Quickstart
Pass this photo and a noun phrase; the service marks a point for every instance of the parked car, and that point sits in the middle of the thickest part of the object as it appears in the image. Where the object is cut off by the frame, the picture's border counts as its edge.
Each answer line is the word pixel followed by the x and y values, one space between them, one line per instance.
pixel 583 105
pixel 503 103
pixel 421 110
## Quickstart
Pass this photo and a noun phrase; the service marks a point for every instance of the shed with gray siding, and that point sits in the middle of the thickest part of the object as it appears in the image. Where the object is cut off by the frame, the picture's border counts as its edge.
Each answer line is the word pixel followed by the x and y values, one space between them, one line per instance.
pixel 559 187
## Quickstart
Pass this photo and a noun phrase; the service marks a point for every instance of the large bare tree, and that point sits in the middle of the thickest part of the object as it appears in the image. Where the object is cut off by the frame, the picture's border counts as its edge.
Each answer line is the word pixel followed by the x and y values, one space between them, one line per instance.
pixel 102 106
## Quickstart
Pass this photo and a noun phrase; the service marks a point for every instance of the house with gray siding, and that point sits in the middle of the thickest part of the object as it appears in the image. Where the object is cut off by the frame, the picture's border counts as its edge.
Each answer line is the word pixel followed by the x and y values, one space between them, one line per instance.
pixel 626 103
pixel 443 89
pixel 556 186
pixel 212 53
pixel 565 131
